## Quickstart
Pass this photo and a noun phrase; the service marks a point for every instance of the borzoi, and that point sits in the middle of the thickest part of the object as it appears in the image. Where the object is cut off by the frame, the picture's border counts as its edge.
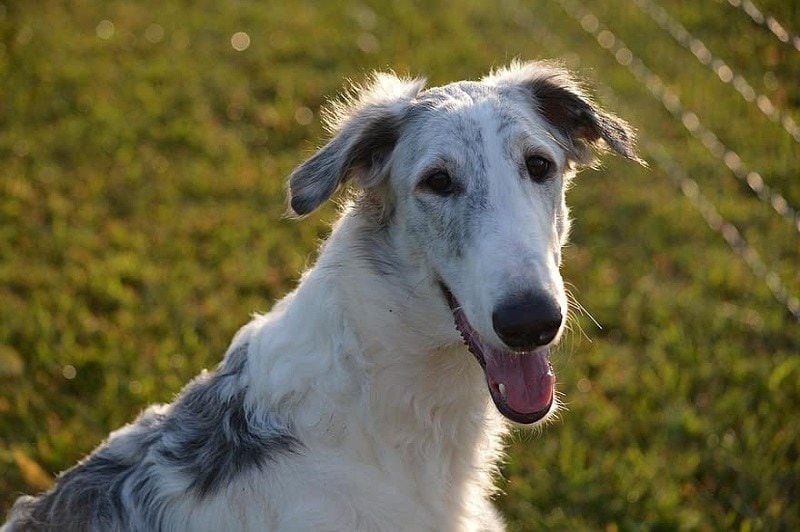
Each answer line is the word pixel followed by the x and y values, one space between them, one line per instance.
pixel 355 404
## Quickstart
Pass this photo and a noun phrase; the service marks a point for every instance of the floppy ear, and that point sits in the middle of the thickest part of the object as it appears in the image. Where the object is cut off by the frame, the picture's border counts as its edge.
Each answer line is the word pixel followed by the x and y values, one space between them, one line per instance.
pixel 559 98
pixel 366 126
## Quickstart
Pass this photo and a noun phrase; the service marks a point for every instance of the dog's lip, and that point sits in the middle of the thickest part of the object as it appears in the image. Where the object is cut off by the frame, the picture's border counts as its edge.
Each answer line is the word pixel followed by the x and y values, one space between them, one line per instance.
pixel 538 357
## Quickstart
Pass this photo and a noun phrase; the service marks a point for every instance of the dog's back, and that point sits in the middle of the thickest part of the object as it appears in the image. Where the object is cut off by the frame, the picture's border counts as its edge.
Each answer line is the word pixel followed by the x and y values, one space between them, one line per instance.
pixel 193 447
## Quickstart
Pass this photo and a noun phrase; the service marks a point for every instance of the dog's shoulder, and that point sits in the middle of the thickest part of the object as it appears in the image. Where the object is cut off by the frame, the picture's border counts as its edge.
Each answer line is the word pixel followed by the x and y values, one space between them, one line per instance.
pixel 190 448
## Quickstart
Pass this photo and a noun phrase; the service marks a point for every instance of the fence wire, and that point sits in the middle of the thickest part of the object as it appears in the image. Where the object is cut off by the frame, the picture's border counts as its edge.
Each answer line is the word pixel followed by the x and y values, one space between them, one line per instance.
pixel 672 103
pixel 665 163
pixel 767 21
pixel 723 71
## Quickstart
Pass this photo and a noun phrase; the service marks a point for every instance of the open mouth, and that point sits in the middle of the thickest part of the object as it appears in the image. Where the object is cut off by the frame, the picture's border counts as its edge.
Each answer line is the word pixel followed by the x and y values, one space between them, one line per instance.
pixel 521 383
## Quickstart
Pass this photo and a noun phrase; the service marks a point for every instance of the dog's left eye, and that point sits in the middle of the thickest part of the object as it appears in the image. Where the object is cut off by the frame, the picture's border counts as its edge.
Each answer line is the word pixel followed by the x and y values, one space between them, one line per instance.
pixel 439 182
pixel 538 168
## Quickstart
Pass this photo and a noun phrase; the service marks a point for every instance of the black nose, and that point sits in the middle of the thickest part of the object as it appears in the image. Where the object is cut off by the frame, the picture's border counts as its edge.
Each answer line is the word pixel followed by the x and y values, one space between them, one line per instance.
pixel 527 321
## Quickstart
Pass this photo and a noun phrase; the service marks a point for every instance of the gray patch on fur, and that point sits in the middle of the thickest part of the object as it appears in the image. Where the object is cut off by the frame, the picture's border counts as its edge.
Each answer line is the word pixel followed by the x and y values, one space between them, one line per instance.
pixel 466 162
pixel 89 496
pixel 372 247
pixel 212 438
pixel 207 437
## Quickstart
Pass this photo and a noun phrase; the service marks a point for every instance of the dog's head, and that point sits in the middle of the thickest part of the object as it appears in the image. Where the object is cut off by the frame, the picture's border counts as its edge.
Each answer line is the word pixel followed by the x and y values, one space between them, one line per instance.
pixel 473 176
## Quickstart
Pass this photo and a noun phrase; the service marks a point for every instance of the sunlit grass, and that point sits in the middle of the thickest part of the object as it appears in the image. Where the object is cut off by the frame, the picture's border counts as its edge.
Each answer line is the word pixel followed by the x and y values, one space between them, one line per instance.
pixel 144 148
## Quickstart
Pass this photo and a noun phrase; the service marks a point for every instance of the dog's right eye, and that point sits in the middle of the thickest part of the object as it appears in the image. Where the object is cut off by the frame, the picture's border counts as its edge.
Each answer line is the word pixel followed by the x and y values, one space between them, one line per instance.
pixel 439 182
pixel 538 168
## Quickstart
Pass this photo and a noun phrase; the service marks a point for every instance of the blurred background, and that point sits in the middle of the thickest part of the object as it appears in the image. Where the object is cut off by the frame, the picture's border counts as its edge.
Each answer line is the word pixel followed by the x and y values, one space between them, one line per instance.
pixel 143 151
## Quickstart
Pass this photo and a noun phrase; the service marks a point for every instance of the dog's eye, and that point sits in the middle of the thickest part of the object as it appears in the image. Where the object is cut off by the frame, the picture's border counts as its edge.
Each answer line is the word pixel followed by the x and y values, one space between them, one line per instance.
pixel 538 168
pixel 439 182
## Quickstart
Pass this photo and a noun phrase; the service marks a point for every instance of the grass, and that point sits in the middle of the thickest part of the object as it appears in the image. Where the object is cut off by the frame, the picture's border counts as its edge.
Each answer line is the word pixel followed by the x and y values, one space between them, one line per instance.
pixel 141 203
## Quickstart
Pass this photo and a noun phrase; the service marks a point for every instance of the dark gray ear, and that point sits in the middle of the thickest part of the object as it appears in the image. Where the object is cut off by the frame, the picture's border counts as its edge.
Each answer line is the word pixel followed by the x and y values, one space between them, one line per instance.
pixel 367 128
pixel 559 98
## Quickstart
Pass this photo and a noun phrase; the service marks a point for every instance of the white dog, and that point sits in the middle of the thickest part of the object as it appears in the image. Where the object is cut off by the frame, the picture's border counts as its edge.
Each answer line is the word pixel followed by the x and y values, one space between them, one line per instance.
pixel 356 404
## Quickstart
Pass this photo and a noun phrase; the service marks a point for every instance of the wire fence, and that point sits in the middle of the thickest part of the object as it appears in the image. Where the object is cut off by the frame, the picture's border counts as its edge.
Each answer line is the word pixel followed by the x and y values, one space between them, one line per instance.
pixel 767 21
pixel 672 103
pixel 666 163
pixel 724 72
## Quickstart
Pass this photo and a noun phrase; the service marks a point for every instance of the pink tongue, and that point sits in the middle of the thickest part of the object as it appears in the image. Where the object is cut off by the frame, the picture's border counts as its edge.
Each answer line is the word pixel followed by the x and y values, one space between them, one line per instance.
pixel 527 377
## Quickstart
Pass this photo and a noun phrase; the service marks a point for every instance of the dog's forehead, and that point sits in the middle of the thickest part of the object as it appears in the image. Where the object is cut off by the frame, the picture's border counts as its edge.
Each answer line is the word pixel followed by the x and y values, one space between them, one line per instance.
pixel 462 101
pixel 462 119
pixel 456 94
pixel 461 112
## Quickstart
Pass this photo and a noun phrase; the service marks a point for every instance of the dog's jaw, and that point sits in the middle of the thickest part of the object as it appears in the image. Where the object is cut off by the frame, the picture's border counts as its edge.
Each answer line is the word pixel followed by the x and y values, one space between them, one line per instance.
pixel 521 384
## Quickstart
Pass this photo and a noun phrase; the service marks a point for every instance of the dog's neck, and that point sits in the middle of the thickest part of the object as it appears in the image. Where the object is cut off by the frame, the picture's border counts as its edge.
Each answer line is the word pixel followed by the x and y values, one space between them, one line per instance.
pixel 395 378
pixel 403 329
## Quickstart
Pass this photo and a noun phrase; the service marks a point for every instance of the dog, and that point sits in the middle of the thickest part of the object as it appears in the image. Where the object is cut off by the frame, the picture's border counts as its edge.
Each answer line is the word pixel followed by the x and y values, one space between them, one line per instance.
pixel 376 395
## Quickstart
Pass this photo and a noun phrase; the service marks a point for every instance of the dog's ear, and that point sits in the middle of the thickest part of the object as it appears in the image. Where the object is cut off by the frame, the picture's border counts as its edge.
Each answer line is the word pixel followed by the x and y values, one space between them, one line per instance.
pixel 366 125
pixel 560 99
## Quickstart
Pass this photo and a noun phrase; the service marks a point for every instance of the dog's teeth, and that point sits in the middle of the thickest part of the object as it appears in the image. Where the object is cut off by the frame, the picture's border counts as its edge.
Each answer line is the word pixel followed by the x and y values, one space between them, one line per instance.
pixel 502 388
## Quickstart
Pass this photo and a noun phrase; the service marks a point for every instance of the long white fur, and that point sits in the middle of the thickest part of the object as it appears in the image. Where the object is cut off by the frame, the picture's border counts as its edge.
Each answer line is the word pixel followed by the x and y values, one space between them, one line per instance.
pixel 363 368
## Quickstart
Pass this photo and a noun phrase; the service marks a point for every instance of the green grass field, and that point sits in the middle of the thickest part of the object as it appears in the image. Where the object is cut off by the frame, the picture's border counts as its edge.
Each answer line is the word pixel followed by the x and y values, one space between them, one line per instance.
pixel 142 167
